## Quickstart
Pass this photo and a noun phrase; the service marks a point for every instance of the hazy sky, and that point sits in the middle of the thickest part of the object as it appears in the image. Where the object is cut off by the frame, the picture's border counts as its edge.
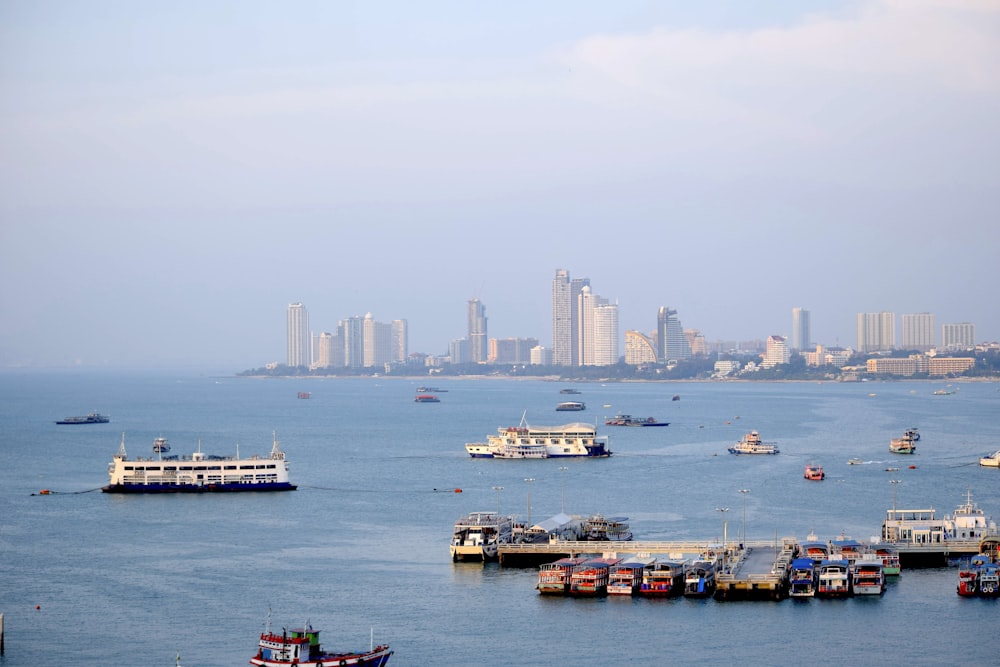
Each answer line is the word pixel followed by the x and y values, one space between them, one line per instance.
pixel 173 174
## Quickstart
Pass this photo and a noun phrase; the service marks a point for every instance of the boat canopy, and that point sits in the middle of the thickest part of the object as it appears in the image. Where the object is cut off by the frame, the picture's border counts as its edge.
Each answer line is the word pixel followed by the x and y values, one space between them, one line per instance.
pixel 554 523
pixel 802 563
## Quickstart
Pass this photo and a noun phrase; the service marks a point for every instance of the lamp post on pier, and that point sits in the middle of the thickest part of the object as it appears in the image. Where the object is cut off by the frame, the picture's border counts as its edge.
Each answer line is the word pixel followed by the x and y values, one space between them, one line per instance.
pixel 528 481
pixel 498 489
pixel 744 493
pixel 895 485
pixel 725 527
pixel 562 476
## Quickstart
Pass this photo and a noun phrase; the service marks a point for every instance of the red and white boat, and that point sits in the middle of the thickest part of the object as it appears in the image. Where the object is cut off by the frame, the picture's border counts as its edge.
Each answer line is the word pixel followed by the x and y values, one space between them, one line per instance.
pixel 814 473
pixel 301 647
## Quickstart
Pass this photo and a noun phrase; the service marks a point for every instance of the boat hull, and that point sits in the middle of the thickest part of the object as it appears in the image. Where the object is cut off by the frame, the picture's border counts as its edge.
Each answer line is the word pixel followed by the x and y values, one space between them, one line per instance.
pixel 376 658
pixel 194 488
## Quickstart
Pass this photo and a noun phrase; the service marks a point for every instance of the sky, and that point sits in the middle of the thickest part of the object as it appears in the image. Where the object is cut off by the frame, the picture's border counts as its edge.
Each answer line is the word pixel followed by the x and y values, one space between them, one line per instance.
pixel 174 174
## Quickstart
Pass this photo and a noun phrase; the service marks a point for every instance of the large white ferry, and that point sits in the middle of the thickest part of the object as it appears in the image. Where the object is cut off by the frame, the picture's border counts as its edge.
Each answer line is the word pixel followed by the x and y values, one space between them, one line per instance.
pixel 541 442
pixel 197 473
pixel 752 444
pixel 479 535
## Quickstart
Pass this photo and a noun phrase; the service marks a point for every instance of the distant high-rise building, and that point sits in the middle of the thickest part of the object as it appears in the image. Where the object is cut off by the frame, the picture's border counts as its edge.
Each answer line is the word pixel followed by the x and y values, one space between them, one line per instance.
pixel 918 332
pixel 354 342
pixel 330 350
pixel 672 343
pixel 478 340
pixel 606 334
pixel 800 329
pixel 299 338
pixel 777 352
pixel 377 343
pixel 511 350
pixel 960 336
pixel 400 341
pixel 876 332
pixel 640 349
pixel 565 318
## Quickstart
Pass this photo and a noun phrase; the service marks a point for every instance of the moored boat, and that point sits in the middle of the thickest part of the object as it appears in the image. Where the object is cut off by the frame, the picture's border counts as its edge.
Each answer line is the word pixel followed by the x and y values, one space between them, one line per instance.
pixel 541 442
pixel 991 460
pixel 625 578
pixel 802 578
pixel 752 444
pixel 989 580
pixel 554 578
pixel 91 418
pixel 867 577
pixel 663 579
pixel 699 579
pixel 301 647
pixel 197 473
pixel 569 390
pixel 890 560
pixel 426 398
pixel 160 445
pixel 591 578
pixel 815 473
pixel 597 528
pixel 629 420
pixel 571 406
pixel 833 579
pixel 478 536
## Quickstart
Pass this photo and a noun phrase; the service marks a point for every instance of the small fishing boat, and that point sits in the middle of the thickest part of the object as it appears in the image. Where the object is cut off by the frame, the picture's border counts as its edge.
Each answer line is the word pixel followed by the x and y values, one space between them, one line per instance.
pixel 301 647
pixel 426 398
pixel 571 406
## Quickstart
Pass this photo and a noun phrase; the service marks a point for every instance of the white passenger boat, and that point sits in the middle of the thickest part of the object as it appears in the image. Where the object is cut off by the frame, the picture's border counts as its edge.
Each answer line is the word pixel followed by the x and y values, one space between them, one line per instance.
pixel 541 442
pixel 752 444
pixel 991 460
pixel 597 528
pixel 197 473
pixel 867 576
pixel 479 535
pixel 833 579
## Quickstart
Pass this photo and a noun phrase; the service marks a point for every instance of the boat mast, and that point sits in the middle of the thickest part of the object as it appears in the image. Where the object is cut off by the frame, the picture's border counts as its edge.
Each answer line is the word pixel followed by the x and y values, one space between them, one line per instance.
pixel 121 448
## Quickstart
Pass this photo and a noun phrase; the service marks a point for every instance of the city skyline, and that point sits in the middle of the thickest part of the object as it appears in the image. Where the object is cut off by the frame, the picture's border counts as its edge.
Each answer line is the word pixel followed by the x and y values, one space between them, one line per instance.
pixel 172 180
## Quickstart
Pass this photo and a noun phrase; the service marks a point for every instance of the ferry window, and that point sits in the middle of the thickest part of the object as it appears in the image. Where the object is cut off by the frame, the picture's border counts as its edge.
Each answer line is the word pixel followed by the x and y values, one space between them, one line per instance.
pixel 214 468
pixel 171 468
pixel 230 467
pixel 129 467
pixel 186 468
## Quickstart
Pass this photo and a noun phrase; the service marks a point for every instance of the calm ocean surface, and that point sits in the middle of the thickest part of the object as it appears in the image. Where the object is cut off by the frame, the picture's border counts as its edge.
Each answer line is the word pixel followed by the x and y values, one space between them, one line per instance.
pixel 362 546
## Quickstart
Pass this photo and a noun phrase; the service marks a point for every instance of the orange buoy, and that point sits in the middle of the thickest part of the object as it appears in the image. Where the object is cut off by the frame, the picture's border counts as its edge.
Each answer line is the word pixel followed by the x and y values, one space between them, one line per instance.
pixel 913 467
pixel 458 490
pixel 44 492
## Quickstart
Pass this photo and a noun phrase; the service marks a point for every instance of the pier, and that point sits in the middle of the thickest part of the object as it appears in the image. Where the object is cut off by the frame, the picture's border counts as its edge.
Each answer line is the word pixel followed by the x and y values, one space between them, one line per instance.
pixel 531 555
pixel 749 571
pixel 756 573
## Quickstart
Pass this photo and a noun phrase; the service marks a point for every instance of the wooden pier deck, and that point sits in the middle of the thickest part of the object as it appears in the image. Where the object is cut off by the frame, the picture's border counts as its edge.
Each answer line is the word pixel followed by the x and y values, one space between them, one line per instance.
pixel 757 573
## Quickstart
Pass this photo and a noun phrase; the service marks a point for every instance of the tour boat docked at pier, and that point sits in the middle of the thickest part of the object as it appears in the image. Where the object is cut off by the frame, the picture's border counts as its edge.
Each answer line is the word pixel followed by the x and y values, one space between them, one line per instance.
pixel 752 444
pixel 541 442
pixel 197 473
pixel 301 647
pixel 479 535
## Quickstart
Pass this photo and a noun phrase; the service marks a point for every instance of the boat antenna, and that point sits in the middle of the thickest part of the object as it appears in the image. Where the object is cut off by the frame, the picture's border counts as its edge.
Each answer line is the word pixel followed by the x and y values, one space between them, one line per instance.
pixel 524 418
pixel 371 639
pixel 121 447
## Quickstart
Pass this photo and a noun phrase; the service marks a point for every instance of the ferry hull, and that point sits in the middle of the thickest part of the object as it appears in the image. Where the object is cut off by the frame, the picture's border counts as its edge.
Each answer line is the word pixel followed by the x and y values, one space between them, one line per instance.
pixel 193 488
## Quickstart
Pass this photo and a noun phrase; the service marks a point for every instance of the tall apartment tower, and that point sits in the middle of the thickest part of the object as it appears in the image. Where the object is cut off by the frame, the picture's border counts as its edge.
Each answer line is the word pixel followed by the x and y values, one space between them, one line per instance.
pixel 800 330
pixel 299 338
pixel 671 342
pixel 400 340
pixel 565 318
pixel 478 339
pixel 354 342
pixel 876 332
pixel 961 336
pixel 377 342
pixel 918 332
pixel 606 334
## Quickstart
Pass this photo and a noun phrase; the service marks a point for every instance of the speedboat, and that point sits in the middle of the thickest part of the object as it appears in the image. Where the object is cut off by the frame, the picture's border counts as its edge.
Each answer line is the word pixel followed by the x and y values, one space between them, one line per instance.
pixel 991 460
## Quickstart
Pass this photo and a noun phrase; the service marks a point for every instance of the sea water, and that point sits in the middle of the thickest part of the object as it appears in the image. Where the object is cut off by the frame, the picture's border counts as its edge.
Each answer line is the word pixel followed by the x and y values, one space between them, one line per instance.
pixel 360 550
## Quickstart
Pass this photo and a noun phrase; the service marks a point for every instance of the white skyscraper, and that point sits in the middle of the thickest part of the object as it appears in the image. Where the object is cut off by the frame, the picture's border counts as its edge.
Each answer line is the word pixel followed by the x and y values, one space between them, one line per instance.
pixel 876 332
pixel 918 332
pixel 566 318
pixel 299 338
pixel 606 334
pixel 961 336
pixel 800 329
pixel 478 336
